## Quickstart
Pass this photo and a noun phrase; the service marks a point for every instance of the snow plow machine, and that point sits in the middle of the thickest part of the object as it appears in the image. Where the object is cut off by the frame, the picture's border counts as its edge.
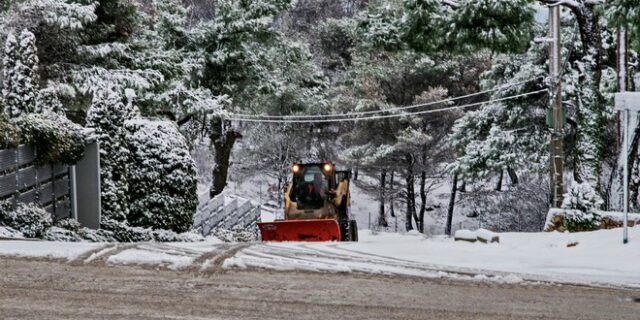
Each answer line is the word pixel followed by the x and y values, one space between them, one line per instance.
pixel 317 207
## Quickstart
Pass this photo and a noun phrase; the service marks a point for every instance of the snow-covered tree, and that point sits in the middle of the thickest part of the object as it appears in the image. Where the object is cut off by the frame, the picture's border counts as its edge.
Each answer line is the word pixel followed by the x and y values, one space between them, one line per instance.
pixel 28 72
pixel 509 135
pixel 161 176
pixel 21 78
pixel 107 115
pixel 10 89
pixel 241 33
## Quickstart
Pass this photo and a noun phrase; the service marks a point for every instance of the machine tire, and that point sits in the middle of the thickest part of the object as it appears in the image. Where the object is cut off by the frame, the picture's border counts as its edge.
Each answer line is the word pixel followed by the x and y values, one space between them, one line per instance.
pixel 345 232
pixel 353 231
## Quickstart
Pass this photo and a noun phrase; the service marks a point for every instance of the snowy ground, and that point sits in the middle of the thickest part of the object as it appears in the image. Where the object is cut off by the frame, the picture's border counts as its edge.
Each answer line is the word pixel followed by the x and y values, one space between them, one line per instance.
pixel 596 258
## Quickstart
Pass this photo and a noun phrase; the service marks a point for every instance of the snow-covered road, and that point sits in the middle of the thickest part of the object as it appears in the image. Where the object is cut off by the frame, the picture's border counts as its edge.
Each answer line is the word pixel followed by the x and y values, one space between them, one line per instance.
pixel 593 258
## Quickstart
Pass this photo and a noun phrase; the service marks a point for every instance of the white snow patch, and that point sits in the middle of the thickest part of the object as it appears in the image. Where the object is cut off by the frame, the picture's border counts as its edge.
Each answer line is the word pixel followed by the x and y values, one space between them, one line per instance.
pixel 46 249
pixel 599 258
pixel 145 257
pixel 8 232
pixel 465 235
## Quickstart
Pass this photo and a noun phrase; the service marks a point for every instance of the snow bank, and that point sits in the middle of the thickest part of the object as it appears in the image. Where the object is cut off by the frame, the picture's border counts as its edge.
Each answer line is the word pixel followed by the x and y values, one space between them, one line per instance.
pixel 599 257
pixel 152 258
pixel 7 232
pixel 46 249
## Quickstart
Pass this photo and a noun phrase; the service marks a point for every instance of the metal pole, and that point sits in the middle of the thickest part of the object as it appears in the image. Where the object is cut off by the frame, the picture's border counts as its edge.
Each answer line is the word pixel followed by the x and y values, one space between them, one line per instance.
pixel 625 128
pixel 557 157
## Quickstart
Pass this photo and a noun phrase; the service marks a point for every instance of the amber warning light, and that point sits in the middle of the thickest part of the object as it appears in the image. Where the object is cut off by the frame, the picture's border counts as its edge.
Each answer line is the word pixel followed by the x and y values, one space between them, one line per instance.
pixel 295 168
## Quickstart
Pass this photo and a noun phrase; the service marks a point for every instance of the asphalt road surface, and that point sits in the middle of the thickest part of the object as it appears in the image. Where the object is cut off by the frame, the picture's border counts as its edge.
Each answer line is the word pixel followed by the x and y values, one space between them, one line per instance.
pixel 41 289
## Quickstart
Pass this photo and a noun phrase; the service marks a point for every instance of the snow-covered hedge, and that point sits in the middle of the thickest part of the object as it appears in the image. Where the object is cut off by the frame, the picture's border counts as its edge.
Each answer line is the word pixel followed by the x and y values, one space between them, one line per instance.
pixel 9 134
pixel 161 176
pixel 122 232
pixel 29 219
pixel 557 220
pixel 57 139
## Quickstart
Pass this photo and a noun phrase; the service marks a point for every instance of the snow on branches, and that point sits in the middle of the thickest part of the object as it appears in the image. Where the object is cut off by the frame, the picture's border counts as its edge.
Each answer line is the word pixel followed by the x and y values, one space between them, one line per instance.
pixel 20 87
pixel 107 115
pixel 161 176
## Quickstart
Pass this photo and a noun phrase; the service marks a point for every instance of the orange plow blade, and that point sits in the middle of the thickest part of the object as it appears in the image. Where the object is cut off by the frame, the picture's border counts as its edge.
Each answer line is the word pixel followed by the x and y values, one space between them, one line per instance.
pixel 300 230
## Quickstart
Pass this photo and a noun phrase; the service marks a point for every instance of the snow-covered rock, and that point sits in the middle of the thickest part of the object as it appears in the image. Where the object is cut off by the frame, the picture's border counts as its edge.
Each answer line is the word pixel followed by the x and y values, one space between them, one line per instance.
pixel 487 236
pixel 465 235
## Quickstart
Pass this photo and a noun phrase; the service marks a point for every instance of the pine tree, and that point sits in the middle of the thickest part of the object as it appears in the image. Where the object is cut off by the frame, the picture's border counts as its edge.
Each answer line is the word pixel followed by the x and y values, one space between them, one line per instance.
pixel 107 116
pixel 29 77
pixel 21 77
pixel 10 89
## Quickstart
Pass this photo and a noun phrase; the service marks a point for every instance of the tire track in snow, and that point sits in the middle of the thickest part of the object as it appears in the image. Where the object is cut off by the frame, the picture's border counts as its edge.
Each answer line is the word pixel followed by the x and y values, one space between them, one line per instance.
pixel 215 264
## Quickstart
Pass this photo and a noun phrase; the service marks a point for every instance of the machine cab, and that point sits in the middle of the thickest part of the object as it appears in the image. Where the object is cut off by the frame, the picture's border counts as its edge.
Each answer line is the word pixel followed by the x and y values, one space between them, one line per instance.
pixel 313 184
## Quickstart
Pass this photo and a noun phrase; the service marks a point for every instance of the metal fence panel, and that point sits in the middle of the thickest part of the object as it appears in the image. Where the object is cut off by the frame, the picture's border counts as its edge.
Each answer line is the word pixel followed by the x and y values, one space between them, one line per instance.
pixel 44 173
pixel 7 160
pixel 26 178
pixel 26 155
pixel 46 193
pixel 28 197
pixel 63 209
pixel 7 184
pixel 61 187
pixel 59 170
pixel 31 184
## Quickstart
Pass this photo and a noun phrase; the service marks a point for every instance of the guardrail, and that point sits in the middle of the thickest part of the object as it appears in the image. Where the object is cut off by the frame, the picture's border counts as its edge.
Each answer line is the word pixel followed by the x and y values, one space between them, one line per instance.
pixel 224 211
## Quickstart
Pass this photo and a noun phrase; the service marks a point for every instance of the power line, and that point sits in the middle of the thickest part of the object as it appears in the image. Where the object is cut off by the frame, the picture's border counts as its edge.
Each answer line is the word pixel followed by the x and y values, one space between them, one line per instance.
pixel 348 114
pixel 232 118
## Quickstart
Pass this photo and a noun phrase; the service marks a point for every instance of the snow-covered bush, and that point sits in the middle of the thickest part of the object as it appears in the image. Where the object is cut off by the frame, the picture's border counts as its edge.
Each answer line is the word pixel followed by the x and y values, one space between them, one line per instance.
pixel 29 219
pixel 122 232
pixel 236 234
pixel 70 230
pixel 107 116
pixel 581 203
pixel 161 175
pixel 60 234
pixel 582 197
pixel 57 139
pixel 9 134
pixel 518 208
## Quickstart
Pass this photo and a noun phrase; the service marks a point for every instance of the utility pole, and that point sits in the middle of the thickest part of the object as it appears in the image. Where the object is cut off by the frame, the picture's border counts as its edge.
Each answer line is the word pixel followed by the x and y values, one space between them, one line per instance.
pixel 557 113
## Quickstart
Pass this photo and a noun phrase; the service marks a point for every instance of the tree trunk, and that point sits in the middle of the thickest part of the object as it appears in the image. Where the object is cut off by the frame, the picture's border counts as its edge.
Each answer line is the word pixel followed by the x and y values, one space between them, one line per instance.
pixel 452 203
pixel 222 141
pixel 499 184
pixel 279 191
pixel 423 201
pixel 409 194
pixel 382 219
pixel 392 211
pixel 414 213
pixel 355 174
pixel 513 176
